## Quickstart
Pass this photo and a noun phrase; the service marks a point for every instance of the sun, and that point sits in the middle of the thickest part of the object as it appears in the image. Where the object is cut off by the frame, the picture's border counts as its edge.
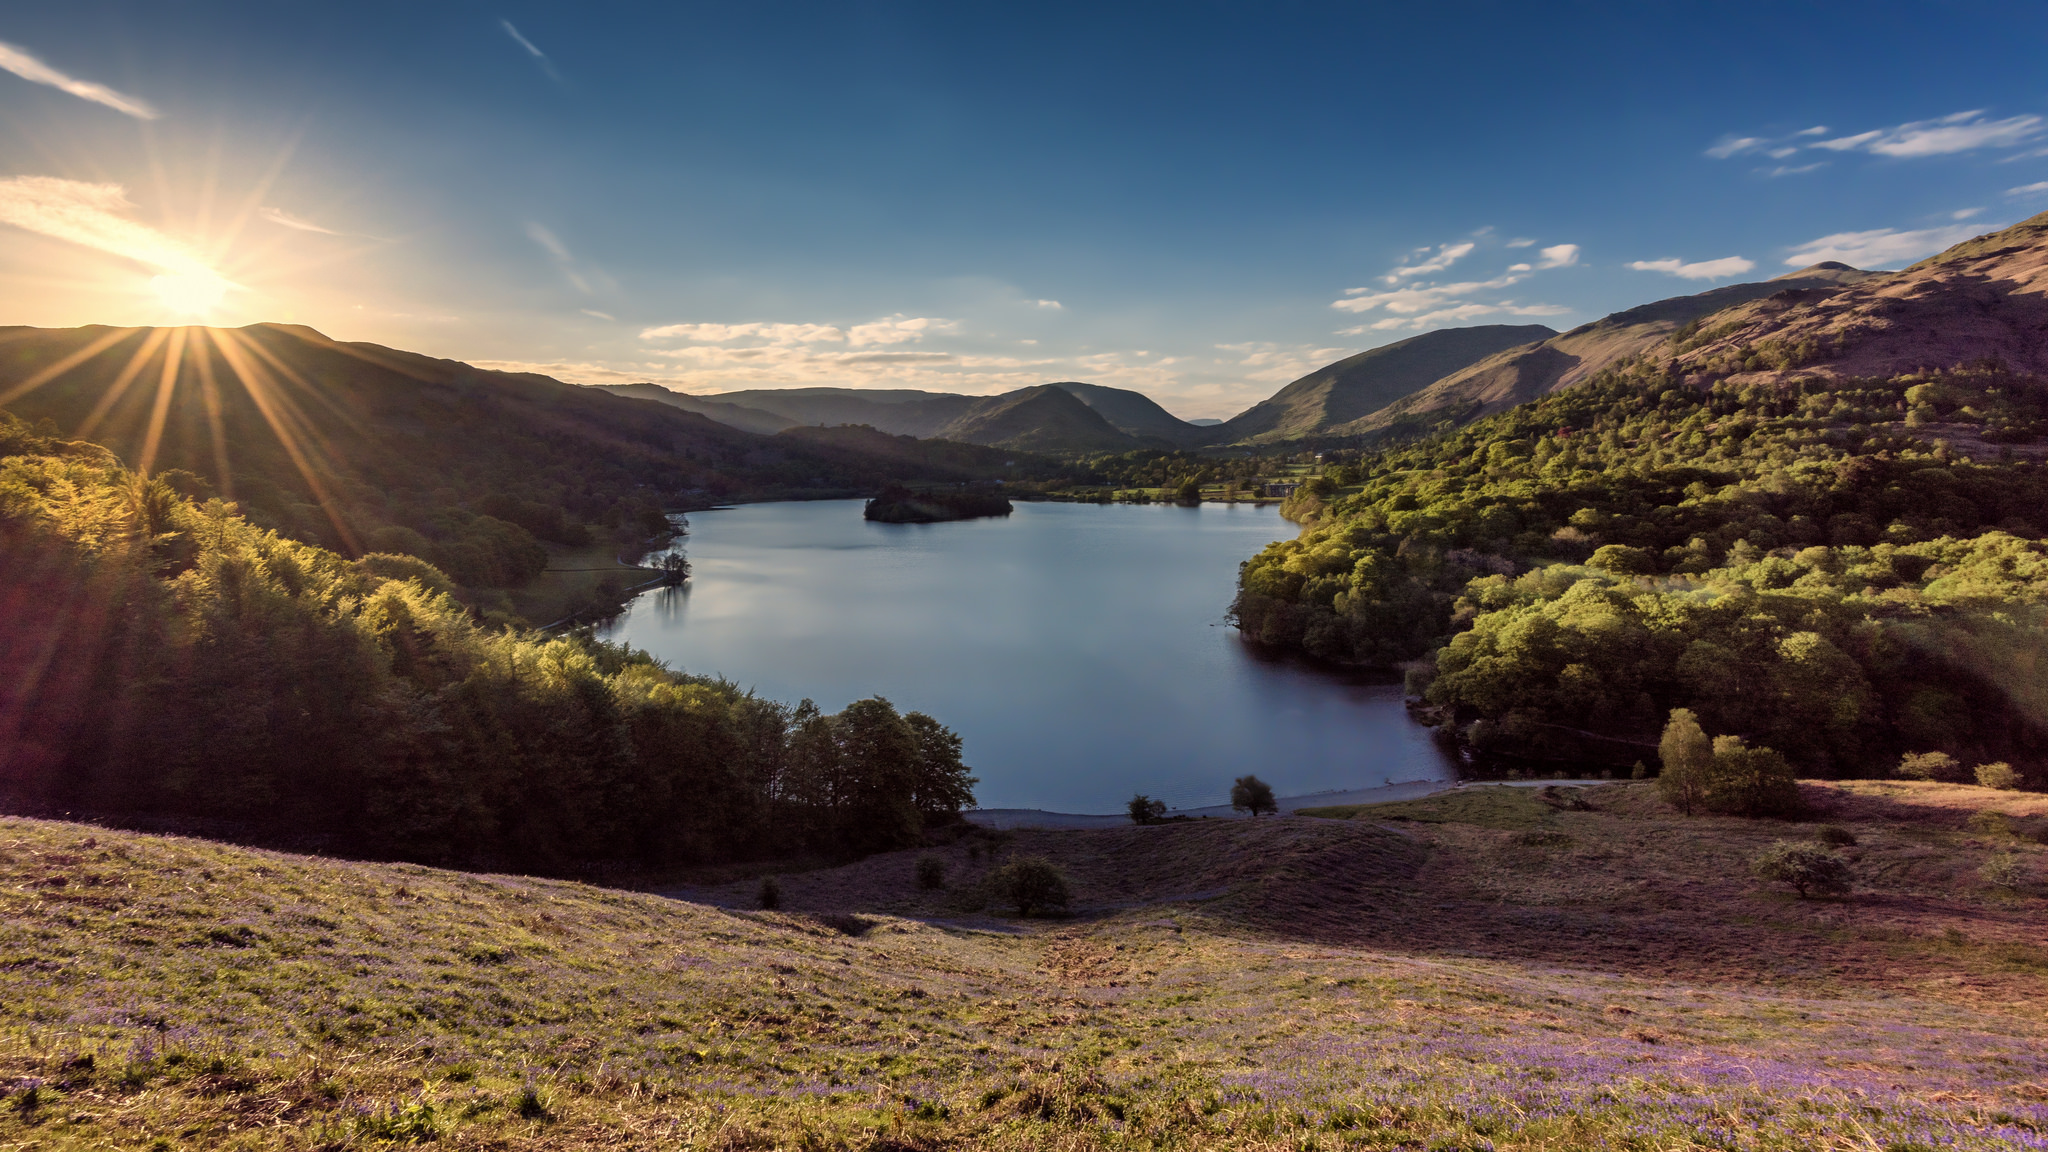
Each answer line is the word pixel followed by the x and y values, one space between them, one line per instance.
pixel 190 293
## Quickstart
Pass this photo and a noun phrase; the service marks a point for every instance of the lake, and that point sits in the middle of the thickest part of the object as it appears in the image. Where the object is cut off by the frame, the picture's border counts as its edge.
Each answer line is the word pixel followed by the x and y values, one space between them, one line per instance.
pixel 1079 650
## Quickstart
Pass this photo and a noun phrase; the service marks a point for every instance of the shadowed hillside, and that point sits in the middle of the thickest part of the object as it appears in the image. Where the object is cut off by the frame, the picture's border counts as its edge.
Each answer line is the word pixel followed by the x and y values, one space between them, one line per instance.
pixel 361 448
pixel 1047 418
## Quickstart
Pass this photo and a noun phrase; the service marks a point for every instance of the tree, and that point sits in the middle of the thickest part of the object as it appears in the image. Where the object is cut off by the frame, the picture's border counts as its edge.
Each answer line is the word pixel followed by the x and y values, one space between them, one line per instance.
pixel 2000 775
pixel 1930 766
pixel 1688 758
pixel 1253 795
pixel 1031 884
pixel 1747 781
pixel 1144 809
pixel 1806 867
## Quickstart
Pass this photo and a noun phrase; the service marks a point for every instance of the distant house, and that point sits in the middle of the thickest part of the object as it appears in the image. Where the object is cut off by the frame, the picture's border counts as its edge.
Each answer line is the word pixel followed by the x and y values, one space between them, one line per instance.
pixel 1282 488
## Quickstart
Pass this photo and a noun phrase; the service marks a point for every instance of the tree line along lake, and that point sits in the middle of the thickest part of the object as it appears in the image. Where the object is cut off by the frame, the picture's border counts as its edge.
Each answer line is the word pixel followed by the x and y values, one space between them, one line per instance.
pixel 1081 651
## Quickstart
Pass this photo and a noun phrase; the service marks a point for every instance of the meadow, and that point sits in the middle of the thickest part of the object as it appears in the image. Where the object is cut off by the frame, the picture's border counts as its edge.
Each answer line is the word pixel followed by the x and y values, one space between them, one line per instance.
pixel 1488 969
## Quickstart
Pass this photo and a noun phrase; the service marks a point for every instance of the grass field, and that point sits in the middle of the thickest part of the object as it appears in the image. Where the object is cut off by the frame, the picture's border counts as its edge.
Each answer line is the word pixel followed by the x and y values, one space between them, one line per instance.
pixel 1484 970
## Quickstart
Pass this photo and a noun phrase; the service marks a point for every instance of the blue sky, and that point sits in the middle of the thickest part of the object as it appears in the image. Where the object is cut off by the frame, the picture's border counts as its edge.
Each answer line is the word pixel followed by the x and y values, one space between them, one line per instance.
pixel 1197 200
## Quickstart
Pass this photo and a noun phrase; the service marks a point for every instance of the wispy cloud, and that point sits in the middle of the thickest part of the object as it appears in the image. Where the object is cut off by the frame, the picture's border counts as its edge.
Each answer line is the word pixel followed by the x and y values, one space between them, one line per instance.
pixel 23 63
pixel 285 219
pixel 1428 261
pixel 1558 256
pixel 541 58
pixel 1943 136
pixel 1879 246
pixel 1698 270
pixel 1050 305
pixel 1520 242
pixel 599 315
pixel 2034 189
pixel 566 263
pixel 95 216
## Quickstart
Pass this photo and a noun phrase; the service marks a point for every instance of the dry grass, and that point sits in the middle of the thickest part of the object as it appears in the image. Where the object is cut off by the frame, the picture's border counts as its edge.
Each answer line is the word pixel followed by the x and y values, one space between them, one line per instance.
pixel 1543 978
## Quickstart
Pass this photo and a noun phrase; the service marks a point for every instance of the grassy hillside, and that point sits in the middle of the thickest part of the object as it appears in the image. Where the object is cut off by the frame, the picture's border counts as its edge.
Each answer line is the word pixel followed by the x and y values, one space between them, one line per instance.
pixel 1520 375
pixel 735 415
pixel 1603 978
pixel 1356 386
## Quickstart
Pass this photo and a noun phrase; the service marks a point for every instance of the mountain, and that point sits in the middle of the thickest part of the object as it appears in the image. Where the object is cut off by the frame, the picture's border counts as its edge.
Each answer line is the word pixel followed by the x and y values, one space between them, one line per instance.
pixel 1983 300
pixel 732 415
pixel 358 447
pixel 1356 386
pixel 1521 374
pixel 1136 414
pixel 1047 418
pixel 997 421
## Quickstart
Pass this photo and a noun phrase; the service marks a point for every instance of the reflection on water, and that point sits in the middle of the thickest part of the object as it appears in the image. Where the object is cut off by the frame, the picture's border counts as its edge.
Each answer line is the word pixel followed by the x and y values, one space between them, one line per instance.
pixel 1080 651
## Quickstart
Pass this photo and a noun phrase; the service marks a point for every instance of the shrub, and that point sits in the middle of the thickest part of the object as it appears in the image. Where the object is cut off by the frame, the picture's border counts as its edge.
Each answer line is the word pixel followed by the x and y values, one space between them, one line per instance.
pixel 1144 809
pixel 1747 781
pixel 931 871
pixel 1930 766
pixel 1688 758
pixel 2004 870
pixel 770 895
pixel 1253 795
pixel 1806 867
pixel 534 1103
pixel 1835 836
pixel 1999 775
pixel 1031 884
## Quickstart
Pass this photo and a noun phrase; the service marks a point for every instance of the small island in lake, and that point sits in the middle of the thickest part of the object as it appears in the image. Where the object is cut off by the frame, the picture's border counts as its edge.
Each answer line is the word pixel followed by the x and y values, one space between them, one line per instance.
pixel 899 505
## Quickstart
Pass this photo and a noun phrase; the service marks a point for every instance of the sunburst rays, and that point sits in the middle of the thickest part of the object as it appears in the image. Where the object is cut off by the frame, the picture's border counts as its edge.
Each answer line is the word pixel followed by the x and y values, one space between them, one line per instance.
pixel 193 358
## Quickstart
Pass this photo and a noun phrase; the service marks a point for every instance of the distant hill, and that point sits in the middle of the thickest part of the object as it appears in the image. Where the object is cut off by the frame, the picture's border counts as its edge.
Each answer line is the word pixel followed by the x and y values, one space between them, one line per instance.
pixel 1136 414
pixel 732 415
pixel 1521 374
pixel 1356 386
pixel 1124 419
pixel 1047 418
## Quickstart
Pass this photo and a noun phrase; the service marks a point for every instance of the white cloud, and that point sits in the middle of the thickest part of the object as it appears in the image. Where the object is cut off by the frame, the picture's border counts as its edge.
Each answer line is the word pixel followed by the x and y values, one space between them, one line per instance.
pixel 1050 305
pixel 1417 297
pixel 1445 256
pixel 1964 213
pixel 1879 246
pixel 1558 256
pixel 1961 132
pixel 1699 270
pixel 95 216
pixel 281 217
pixel 2034 189
pixel 898 329
pixel 1271 363
pixel 599 315
pixel 23 64
pixel 1736 146
pixel 1521 267
pixel 1520 242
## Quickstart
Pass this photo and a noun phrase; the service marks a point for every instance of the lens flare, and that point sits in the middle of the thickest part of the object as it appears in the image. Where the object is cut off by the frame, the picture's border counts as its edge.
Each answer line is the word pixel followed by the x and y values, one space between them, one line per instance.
pixel 190 293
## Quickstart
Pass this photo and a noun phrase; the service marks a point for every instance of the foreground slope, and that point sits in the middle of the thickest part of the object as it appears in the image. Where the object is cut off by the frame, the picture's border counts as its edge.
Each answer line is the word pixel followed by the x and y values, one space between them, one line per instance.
pixel 171 993
pixel 1352 388
pixel 1522 374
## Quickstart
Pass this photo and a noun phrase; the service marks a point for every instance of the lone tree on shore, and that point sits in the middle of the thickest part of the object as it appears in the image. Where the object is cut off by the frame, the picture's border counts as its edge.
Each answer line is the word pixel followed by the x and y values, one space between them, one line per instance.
pixel 1253 795
pixel 1144 809
pixel 1688 758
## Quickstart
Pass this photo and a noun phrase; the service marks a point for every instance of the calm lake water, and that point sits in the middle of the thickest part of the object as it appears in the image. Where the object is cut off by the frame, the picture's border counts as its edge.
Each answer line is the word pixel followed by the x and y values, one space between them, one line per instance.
pixel 1080 651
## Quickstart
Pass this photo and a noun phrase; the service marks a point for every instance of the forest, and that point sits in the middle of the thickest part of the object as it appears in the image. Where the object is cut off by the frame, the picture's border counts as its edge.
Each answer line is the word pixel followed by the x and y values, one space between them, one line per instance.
pixel 173 663
pixel 1846 573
